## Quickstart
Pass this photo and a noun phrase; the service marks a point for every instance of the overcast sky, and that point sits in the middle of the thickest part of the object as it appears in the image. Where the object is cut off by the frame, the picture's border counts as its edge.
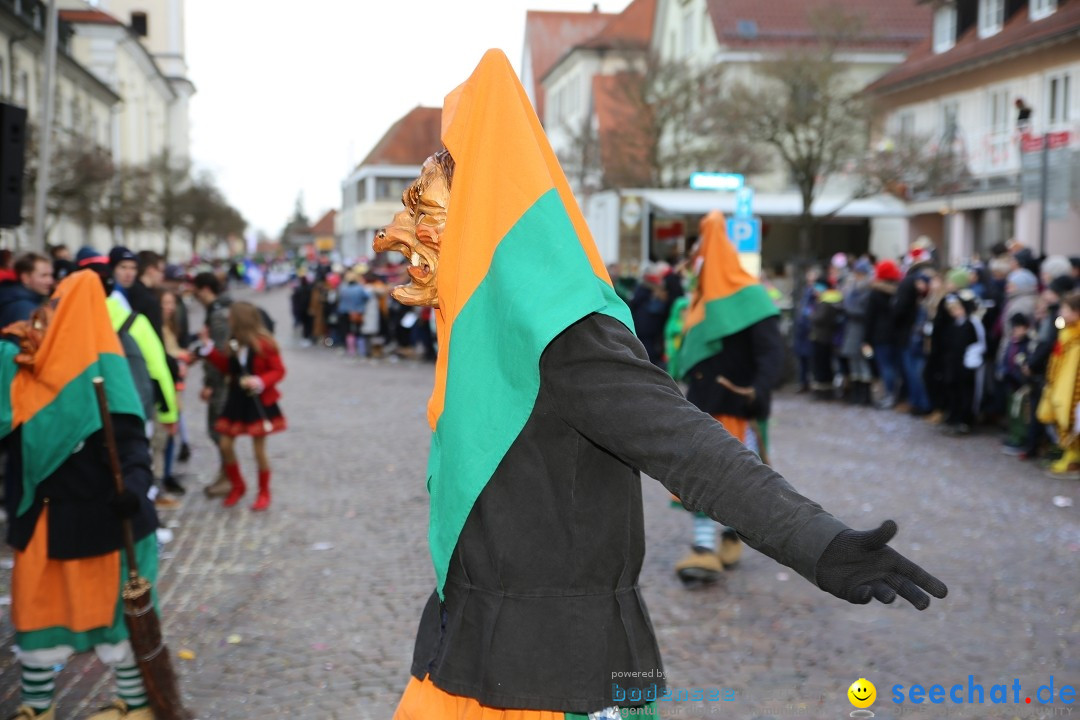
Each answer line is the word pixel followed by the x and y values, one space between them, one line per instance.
pixel 291 95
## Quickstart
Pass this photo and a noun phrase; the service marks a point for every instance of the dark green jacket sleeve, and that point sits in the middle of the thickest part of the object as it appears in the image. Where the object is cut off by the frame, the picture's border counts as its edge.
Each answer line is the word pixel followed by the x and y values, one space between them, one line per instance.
pixel 605 387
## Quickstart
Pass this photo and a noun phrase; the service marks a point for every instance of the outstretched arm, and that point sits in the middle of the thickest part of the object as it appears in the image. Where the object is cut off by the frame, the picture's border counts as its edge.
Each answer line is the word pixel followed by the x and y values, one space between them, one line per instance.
pixel 605 387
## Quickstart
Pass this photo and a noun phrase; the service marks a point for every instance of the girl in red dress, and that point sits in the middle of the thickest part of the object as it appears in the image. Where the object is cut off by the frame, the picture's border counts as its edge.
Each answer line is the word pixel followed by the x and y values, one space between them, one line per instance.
pixel 252 364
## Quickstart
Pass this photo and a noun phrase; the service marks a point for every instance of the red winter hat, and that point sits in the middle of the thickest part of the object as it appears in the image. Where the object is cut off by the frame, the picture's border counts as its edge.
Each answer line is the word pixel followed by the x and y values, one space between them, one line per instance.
pixel 887 270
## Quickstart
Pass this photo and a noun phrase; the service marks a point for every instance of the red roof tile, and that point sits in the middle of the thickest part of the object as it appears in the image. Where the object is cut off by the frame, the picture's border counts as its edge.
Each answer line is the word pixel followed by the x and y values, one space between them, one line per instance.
pixel 409 141
pixel 886 24
pixel 550 35
pixel 624 138
pixel 1019 34
pixel 88 17
pixel 325 224
pixel 631 28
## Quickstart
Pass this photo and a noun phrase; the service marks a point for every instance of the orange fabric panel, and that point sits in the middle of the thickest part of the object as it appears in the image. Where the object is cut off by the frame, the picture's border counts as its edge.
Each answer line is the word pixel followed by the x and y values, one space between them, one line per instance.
pixel 63 356
pixel 424 701
pixel 721 272
pixel 77 594
pixel 503 164
pixel 737 426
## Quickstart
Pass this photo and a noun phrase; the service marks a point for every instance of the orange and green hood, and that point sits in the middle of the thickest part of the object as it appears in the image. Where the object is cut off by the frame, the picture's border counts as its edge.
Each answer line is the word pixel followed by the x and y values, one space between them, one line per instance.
pixel 517 267
pixel 726 300
pixel 54 400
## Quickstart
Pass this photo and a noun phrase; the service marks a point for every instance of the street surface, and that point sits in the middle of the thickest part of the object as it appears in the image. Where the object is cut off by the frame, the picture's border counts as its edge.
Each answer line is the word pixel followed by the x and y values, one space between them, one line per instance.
pixel 310 609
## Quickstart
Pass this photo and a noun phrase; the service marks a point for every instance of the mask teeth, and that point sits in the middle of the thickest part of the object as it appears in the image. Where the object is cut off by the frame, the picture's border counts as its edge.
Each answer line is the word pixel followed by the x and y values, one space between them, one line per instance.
pixel 416 259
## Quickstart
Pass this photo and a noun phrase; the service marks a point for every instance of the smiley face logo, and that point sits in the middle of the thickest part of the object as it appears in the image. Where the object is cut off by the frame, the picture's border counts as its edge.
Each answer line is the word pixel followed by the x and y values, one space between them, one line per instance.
pixel 862 693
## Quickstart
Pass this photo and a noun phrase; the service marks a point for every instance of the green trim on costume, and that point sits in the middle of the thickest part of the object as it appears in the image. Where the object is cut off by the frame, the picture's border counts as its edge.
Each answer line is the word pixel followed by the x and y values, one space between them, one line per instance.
pixel 540 282
pixel 146 555
pixel 723 317
pixel 52 434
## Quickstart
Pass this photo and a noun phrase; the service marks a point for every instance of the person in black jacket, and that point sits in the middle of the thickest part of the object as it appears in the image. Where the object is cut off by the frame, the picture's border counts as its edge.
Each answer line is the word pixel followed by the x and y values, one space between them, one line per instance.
pixel 880 340
pixel 142 295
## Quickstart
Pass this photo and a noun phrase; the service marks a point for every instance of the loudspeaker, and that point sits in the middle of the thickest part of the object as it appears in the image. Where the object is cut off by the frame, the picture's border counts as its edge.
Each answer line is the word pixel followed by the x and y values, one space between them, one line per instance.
pixel 12 162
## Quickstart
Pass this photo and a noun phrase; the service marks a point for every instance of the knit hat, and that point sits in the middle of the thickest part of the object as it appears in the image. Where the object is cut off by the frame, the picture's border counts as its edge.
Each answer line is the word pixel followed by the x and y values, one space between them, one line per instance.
pixel 1062 286
pixel 959 278
pixel 1055 266
pixel 1023 281
pixel 89 256
pixel 863 267
pixel 887 270
pixel 119 254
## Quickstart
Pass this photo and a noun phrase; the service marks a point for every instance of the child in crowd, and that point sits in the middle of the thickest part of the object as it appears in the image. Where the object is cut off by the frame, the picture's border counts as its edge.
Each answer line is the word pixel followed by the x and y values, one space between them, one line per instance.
pixel 965 346
pixel 1058 404
pixel 1010 373
pixel 253 367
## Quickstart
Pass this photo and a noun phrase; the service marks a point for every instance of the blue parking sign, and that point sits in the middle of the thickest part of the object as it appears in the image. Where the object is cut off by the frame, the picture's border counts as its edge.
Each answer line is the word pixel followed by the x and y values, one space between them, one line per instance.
pixel 745 234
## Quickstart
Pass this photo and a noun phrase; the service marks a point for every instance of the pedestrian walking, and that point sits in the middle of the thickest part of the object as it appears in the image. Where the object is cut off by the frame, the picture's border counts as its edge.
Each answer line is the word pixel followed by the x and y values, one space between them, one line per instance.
pixel 964 350
pixel 253 368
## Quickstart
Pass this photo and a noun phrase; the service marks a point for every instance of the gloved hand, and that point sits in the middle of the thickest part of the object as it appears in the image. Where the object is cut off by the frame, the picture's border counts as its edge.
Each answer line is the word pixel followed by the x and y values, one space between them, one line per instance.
pixel 859 565
pixel 125 504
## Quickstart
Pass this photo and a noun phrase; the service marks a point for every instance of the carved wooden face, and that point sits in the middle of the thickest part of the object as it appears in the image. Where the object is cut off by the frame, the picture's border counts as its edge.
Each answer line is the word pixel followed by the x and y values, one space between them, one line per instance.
pixel 415 232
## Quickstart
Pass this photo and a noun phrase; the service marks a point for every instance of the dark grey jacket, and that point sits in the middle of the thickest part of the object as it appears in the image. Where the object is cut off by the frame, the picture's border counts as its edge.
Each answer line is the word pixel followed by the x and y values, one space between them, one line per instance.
pixel 542 599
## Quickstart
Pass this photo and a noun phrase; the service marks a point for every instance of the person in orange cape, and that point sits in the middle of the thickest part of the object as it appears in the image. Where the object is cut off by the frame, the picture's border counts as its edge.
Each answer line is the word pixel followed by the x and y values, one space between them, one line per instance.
pixel 65 512
pixel 731 357
pixel 545 411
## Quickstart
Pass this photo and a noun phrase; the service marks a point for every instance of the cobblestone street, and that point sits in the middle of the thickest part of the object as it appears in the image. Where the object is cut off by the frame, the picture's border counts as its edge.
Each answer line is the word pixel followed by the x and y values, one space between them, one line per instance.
pixel 310 609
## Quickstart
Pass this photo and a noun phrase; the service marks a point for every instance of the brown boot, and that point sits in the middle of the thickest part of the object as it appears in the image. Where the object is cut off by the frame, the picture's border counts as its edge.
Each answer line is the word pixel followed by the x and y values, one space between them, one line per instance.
pixel 731 548
pixel 699 565
pixel 219 488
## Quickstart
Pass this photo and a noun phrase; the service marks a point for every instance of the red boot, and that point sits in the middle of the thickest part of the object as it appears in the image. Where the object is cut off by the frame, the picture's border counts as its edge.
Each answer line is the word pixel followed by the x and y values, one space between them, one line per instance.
pixel 232 471
pixel 262 500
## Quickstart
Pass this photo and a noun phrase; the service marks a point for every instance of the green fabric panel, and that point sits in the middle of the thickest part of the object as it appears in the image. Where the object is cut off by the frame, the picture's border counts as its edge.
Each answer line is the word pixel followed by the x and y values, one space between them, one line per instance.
pixel 540 282
pixel 153 352
pixel 52 434
pixel 146 555
pixel 724 316
pixel 8 368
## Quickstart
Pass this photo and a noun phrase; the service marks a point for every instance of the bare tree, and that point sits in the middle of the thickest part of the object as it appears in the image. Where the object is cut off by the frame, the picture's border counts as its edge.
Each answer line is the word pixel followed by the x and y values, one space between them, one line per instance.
pixel 205 213
pixel 123 207
pixel 661 127
pixel 169 178
pixel 806 106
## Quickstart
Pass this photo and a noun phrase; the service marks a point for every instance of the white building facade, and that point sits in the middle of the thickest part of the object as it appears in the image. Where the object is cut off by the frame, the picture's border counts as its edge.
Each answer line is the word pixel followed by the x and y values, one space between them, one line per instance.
pixel 994 84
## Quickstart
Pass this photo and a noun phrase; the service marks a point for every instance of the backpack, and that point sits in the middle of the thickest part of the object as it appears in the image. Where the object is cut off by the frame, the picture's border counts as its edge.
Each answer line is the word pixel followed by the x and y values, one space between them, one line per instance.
pixel 137 363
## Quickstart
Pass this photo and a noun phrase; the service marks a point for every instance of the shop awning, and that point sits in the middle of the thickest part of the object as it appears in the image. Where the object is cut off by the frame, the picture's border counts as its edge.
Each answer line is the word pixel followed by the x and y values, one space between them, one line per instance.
pixel 769 205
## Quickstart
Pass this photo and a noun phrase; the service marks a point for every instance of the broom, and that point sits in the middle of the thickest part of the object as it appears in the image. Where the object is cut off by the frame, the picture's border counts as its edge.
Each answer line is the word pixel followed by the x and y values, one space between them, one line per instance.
pixel 144 626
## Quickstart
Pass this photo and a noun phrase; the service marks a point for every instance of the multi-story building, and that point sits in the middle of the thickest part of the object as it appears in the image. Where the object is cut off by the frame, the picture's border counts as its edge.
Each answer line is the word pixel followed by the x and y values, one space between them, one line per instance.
pixel 84 103
pixel 739 36
pixel 371 194
pixel 996 79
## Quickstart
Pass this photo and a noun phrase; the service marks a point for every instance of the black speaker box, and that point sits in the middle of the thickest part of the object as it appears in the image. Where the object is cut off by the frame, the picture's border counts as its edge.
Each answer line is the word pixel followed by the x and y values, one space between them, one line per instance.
pixel 12 162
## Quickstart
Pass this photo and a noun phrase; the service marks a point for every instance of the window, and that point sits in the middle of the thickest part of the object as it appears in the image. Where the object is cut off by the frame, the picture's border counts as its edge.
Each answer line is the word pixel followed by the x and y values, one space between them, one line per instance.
pixel 991 17
pixel 906 124
pixel 22 91
pixel 949 112
pixel 1042 8
pixel 944 28
pixel 997 111
pixel 1059 98
pixel 689 44
pixel 139 24
pixel 390 188
pixel 998 117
